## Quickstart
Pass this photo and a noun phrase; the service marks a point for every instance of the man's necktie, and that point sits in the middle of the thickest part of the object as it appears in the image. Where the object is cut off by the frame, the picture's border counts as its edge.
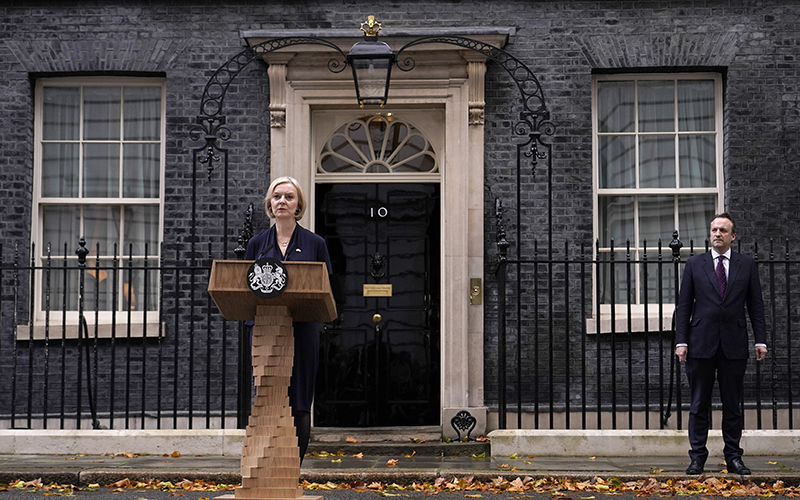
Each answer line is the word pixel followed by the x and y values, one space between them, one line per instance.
pixel 722 279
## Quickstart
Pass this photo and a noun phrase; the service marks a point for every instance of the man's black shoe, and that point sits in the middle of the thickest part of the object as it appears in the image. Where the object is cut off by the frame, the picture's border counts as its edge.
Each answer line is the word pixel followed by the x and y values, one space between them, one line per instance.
pixel 696 468
pixel 736 466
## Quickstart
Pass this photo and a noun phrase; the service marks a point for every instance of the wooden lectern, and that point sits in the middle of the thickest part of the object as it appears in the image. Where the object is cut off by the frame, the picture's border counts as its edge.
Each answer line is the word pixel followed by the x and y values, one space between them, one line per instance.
pixel 270 454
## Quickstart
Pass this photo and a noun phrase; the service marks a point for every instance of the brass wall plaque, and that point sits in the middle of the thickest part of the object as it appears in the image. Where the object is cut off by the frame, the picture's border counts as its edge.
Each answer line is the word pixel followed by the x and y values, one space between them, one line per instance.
pixel 377 290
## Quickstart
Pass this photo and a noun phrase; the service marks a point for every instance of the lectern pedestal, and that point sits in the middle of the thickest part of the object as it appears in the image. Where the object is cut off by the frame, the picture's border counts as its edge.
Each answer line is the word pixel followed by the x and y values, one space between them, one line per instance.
pixel 270 454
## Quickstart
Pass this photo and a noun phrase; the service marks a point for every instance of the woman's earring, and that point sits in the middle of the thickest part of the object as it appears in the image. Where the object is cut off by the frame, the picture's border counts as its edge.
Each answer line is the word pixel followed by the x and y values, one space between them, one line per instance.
pixel 297 212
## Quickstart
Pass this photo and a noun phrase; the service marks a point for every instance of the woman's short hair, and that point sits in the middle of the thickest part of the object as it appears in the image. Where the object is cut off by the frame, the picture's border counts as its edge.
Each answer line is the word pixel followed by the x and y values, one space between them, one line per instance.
pixel 301 199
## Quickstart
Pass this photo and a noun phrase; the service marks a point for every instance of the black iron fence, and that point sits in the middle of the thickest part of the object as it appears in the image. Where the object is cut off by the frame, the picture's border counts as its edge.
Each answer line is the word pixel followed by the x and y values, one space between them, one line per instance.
pixel 117 342
pixel 586 339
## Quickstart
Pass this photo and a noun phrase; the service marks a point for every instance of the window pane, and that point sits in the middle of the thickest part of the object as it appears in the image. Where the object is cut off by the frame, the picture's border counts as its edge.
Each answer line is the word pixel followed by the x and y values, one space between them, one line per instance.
pixel 101 225
pixel 61 224
pixel 61 113
pixel 616 220
pixel 60 170
pixel 656 161
pixel 656 106
pixel 619 269
pixel 617 157
pixel 134 290
pixel 698 164
pixel 101 113
pixel 99 285
pixel 54 283
pixel 615 107
pixel 696 105
pixel 141 227
pixel 694 218
pixel 141 167
pixel 101 170
pixel 650 279
pixel 142 113
pixel 656 219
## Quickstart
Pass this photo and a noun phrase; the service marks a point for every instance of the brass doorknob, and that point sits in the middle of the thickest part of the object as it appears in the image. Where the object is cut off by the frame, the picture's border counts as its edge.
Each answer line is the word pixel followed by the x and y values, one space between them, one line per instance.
pixel 376 318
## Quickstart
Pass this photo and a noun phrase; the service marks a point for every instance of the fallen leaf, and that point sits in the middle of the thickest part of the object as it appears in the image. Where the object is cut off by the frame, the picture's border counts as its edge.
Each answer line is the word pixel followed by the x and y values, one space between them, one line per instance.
pixel 176 454
pixel 392 462
pixel 351 439
pixel 359 455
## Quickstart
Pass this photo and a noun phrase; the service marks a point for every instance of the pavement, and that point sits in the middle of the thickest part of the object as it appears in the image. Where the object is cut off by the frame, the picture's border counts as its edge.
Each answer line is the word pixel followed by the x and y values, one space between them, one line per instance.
pixel 82 470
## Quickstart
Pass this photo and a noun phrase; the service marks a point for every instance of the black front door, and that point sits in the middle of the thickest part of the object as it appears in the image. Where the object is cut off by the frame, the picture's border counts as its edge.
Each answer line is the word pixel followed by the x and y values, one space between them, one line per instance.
pixel 379 361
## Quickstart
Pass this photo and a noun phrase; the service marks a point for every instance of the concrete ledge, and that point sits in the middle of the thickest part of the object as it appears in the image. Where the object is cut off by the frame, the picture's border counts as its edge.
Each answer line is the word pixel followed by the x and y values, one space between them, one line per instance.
pixel 225 442
pixel 504 443
pixel 632 443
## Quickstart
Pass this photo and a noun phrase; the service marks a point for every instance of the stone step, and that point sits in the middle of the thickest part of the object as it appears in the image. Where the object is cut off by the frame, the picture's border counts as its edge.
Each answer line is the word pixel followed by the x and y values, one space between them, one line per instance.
pixel 394 449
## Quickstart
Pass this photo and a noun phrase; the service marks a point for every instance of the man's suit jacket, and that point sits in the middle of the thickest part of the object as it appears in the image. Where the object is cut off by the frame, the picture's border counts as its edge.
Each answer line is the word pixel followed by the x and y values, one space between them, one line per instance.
pixel 706 321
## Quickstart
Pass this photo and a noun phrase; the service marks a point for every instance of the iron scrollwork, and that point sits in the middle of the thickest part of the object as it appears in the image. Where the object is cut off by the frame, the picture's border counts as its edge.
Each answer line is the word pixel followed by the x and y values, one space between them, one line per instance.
pixel 210 125
pixel 246 234
pixel 463 421
pixel 534 117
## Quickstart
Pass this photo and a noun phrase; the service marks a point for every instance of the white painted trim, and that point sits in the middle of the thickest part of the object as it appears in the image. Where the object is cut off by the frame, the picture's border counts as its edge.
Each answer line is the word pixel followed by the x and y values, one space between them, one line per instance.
pixel 441 81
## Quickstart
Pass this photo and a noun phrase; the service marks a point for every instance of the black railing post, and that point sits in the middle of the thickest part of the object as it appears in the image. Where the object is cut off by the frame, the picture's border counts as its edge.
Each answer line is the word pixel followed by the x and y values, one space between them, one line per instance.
pixel 646 307
pixel 83 335
pixel 789 373
pixel 598 332
pixel 46 389
pixel 772 300
pixel 613 334
pixel 14 346
pixel 502 257
pixel 759 424
pixel 676 246
pixel 245 372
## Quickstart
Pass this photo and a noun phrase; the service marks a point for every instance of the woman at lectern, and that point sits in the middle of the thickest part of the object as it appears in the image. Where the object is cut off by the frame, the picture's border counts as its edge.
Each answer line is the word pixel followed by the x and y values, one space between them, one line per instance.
pixel 286 240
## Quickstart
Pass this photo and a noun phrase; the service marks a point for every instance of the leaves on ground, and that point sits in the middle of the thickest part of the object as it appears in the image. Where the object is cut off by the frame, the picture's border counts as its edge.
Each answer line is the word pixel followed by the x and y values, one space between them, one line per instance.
pixel 555 487
pixel 560 487
pixel 54 489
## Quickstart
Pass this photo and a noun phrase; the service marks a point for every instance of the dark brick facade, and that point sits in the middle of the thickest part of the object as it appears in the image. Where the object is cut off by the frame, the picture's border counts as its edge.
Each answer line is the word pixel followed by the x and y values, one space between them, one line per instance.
pixel 755 45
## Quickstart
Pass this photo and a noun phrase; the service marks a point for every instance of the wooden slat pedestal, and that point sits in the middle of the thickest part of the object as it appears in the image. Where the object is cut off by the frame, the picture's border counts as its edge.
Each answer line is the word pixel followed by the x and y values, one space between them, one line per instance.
pixel 270 454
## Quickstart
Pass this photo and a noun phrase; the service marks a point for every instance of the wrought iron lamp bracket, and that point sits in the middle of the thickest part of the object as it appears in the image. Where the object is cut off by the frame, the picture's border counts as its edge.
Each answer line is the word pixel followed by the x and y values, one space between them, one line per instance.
pixel 210 125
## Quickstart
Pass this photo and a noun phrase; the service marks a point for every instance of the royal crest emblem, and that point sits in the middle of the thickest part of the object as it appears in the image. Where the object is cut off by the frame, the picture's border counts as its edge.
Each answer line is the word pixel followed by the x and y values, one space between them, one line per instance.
pixel 267 278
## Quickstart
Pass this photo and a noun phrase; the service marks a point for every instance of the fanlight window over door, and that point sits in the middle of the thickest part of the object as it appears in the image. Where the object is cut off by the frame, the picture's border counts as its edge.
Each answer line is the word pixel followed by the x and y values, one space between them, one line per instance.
pixel 378 144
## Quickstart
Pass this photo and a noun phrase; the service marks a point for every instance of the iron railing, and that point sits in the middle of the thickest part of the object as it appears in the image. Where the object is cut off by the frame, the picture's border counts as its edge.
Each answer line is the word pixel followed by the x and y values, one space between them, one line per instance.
pixel 171 363
pixel 184 366
pixel 560 364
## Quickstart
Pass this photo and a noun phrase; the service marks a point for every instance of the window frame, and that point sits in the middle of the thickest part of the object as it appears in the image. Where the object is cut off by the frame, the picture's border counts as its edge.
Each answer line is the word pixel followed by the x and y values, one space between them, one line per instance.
pixel 103 319
pixel 637 307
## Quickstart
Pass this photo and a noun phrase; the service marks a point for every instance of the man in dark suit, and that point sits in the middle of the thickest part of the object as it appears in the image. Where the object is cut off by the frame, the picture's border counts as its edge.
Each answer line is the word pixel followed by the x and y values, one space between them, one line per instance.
pixel 711 337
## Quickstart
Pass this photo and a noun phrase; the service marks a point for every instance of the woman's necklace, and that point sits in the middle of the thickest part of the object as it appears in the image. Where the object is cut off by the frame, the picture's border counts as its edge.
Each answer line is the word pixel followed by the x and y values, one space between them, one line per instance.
pixel 283 243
